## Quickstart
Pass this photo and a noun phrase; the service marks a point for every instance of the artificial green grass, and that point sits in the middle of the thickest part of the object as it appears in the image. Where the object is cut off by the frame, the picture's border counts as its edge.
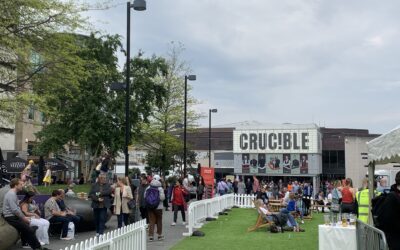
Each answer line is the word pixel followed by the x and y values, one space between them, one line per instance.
pixel 77 188
pixel 230 232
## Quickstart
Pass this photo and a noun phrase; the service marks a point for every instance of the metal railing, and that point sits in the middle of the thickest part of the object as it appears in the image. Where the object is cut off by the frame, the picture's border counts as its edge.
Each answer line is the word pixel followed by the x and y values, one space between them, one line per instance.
pixel 369 237
pixel 199 211
pixel 132 236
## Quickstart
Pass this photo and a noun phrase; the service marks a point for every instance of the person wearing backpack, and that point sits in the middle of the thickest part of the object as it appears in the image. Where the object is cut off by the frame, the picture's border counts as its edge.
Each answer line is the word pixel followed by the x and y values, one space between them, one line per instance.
pixel 153 196
pixel 388 215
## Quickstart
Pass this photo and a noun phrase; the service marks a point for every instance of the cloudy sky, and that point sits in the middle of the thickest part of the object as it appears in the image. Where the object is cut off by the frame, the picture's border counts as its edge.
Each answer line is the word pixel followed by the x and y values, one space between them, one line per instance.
pixel 330 62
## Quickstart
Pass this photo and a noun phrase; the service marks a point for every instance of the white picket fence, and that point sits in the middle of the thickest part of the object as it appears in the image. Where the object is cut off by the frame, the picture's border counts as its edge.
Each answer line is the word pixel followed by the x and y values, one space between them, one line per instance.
pixel 132 236
pixel 198 211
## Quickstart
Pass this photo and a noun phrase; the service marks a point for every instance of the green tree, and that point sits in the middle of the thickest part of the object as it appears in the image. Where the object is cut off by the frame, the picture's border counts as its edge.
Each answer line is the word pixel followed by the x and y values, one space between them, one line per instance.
pixel 94 116
pixel 161 137
pixel 32 50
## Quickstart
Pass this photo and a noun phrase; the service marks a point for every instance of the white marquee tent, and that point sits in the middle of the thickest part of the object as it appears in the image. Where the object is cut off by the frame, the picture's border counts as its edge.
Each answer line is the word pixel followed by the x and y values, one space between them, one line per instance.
pixel 381 150
pixel 385 148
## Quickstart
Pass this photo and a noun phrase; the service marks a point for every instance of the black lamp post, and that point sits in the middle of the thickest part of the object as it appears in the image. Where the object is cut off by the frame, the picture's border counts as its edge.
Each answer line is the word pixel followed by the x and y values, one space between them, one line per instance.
pixel 138 5
pixel 209 136
pixel 190 78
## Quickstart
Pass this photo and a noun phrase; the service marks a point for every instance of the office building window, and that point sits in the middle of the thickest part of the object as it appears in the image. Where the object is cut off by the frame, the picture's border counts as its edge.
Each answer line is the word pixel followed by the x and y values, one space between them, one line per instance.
pixel 31 113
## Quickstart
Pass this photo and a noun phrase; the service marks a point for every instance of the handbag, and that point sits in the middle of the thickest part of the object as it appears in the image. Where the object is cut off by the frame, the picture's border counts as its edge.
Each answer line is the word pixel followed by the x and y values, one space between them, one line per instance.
pixel 131 204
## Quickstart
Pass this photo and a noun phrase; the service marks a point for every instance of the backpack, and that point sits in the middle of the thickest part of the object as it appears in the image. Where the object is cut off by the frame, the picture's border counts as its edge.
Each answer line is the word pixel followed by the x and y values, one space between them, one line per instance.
pixel 152 197
pixel 378 209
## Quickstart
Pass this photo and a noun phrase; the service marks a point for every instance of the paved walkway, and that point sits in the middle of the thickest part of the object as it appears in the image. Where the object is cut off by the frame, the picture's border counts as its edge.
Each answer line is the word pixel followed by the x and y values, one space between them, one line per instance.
pixel 172 234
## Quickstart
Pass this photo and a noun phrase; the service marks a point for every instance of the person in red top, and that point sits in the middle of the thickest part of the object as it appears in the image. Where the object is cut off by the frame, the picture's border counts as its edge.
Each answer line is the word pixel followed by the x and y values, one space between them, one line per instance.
pixel 348 196
pixel 178 201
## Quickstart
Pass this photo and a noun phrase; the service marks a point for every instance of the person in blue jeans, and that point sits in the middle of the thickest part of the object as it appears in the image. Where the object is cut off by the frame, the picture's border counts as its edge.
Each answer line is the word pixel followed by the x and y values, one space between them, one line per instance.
pixel 295 205
pixel 291 221
pixel 100 194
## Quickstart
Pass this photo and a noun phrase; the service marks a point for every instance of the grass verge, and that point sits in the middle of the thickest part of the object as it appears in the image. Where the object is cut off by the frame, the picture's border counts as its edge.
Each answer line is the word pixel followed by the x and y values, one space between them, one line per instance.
pixel 230 232
pixel 77 189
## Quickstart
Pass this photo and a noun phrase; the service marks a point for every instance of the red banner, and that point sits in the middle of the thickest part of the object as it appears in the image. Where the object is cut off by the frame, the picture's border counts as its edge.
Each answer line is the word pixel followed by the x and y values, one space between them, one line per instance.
pixel 208 176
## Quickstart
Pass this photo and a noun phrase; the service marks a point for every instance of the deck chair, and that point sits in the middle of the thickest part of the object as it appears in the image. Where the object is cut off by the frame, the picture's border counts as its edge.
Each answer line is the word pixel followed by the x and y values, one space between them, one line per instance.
pixel 261 219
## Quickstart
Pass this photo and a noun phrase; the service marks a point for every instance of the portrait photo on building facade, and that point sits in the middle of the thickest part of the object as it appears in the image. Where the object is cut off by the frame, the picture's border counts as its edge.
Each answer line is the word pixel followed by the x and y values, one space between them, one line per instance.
pixel 303 163
pixel 261 164
pixel 274 162
pixel 286 164
pixel 245 163
pixel 253 164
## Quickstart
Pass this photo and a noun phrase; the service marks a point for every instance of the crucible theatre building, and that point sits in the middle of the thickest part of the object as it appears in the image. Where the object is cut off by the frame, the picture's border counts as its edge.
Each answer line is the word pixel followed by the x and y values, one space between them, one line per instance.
pixel 304 152
pixel 287 150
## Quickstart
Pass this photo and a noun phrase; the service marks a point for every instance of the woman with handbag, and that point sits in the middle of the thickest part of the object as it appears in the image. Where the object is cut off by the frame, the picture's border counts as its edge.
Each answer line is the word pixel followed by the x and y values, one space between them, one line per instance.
pixel 122 196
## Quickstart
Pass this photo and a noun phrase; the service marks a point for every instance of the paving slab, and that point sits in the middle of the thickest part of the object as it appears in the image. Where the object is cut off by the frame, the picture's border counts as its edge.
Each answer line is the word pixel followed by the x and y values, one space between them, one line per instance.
pixel 172 234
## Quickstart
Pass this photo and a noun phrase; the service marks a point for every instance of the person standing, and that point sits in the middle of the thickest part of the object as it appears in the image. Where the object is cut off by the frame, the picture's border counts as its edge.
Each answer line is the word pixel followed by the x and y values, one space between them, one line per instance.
pixel 101 202
pixel 200 189
pixel 256 185
pixel 363 201
pixel 389 219
pixel 241 187
pixel 248 186
pixel 178 201
pixel 348 196
pixel 13 215
pixel 222 187
pixel 31 210
pixel 47 177
pixel 141 202
pixel 155 214
pixel 122 195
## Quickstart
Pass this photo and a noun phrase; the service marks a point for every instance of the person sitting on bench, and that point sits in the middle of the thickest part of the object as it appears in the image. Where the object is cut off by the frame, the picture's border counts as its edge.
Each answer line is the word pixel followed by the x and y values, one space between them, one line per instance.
pixel 71 212
pixel 31 210
pixel 13 215
pixel 54 214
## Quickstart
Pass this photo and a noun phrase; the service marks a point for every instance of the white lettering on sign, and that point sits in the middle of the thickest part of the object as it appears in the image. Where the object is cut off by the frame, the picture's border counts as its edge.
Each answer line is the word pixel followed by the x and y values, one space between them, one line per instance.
pixel 275 141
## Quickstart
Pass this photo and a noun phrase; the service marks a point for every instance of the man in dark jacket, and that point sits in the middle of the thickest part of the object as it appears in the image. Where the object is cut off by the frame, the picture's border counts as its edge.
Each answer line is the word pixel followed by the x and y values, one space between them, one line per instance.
pixel 391 215
pixel 141 202
pixel 101 202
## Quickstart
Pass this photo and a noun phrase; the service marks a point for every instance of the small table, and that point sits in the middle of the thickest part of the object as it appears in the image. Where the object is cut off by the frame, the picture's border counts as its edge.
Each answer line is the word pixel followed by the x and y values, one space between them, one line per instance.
pixel 337 237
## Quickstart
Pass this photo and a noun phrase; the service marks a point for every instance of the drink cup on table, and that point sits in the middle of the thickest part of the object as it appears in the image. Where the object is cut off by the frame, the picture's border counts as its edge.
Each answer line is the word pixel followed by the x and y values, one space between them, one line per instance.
pixel 327 219
pixel 344 220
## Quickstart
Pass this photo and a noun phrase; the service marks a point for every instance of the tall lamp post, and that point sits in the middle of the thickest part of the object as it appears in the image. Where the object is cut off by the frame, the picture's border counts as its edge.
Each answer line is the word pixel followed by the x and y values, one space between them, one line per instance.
pixel 190 78
pixel 209 135
pixel 139 5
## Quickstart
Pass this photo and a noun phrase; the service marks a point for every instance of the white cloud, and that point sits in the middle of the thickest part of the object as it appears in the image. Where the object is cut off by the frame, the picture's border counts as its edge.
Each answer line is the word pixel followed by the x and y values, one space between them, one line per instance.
pixel 299 61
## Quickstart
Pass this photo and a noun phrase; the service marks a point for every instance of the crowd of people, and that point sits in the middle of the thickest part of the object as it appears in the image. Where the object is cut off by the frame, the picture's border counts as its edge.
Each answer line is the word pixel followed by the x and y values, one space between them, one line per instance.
pixel 122 196
pixel 150 196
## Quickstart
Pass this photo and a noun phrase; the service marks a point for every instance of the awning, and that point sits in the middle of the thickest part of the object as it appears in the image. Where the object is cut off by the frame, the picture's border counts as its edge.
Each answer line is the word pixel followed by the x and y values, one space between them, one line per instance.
pixel 57 165
pixel 385 148
pixel 14 165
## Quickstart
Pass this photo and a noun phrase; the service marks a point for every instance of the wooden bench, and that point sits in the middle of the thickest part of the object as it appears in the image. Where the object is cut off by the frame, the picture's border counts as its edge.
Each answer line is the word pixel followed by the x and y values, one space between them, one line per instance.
pixel 276 207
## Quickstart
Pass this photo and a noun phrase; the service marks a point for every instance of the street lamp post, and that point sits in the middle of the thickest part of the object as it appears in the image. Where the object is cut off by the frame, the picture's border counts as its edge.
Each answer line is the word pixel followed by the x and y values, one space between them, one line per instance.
pixel 138 5
pixel 190 78
pixel 209 135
